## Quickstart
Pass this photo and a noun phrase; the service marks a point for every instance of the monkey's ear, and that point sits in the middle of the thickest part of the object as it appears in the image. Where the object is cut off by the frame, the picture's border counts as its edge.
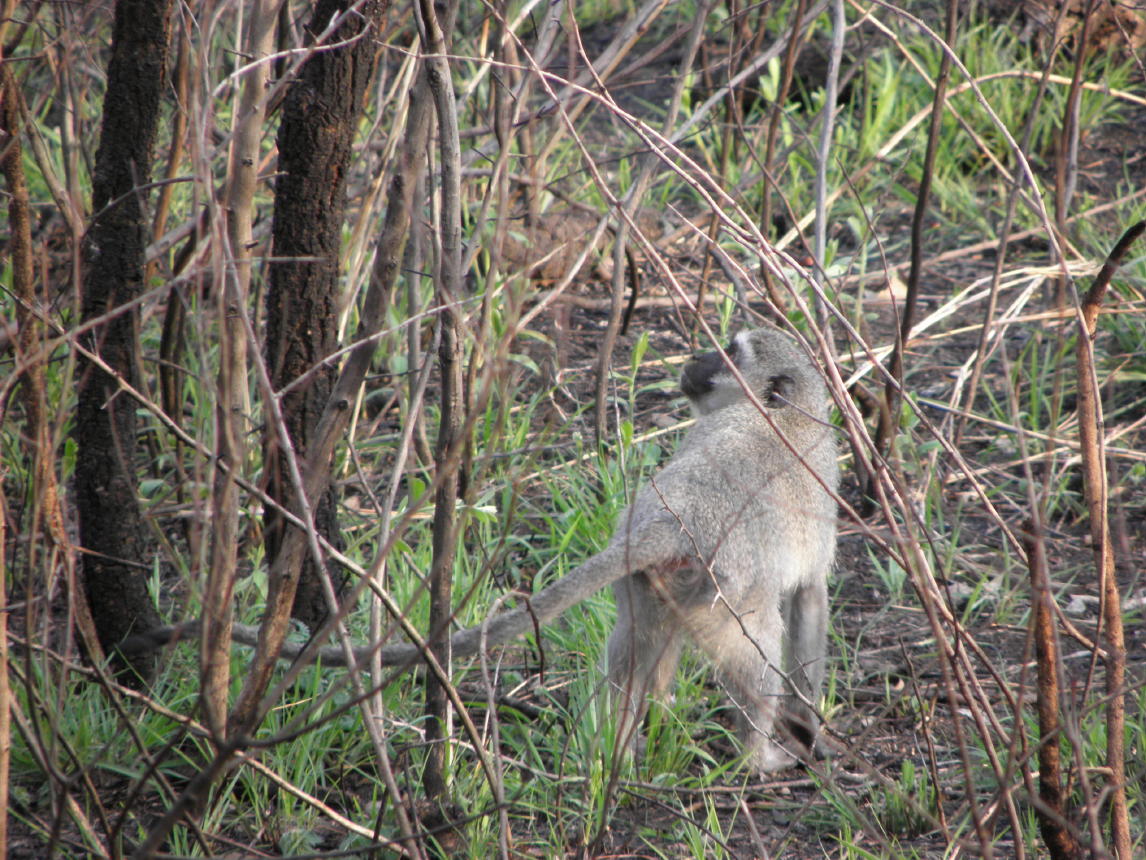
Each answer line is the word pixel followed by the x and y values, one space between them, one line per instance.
pixel 781 387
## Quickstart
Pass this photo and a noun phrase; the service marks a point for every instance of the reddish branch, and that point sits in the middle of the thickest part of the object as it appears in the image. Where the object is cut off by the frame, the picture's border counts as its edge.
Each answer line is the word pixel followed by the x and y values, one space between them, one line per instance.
pixel 1094 475
pixel 21 253
pixel 1054 820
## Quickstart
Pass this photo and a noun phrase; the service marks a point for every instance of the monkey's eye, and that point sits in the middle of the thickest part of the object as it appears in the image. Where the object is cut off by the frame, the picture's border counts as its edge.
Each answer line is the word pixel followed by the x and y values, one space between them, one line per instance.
pixel 780 390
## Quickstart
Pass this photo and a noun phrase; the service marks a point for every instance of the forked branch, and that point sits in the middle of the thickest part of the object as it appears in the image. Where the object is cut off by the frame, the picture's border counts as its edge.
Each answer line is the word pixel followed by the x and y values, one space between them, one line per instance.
pixel 1091 437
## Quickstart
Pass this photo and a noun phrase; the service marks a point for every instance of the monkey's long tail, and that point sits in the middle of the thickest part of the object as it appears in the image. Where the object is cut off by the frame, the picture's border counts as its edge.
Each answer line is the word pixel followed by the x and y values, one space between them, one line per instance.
pixel 606 567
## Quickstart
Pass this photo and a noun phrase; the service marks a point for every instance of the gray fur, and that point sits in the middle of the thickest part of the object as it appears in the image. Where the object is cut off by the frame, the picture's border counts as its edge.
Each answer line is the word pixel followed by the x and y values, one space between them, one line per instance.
pixel 747 535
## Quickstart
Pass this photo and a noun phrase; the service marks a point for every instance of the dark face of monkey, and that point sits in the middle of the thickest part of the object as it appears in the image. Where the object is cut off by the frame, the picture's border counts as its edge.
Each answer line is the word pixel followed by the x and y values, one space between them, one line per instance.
pixel 710 384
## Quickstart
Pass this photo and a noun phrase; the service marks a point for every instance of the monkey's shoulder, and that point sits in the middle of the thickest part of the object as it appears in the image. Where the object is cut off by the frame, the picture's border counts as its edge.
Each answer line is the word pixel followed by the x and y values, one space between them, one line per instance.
pixel 742 432
pixel 733 466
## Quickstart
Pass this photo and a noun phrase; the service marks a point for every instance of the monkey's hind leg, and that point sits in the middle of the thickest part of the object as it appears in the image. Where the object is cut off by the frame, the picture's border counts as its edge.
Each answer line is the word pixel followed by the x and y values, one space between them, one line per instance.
pixel 806 621
pixel 747 653
pixel 644 650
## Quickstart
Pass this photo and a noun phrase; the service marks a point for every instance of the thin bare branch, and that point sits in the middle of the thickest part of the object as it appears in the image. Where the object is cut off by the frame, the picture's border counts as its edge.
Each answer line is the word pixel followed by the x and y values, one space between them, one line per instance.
pixel 1092 437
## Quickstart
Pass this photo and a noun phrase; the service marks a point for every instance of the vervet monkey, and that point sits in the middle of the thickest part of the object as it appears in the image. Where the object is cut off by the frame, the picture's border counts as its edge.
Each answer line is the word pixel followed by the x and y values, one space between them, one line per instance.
pixel 729 546
pixel 742 525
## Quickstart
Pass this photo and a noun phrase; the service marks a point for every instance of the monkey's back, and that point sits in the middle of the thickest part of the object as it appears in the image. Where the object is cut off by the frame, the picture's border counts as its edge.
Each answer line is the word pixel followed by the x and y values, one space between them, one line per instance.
pixel 761 522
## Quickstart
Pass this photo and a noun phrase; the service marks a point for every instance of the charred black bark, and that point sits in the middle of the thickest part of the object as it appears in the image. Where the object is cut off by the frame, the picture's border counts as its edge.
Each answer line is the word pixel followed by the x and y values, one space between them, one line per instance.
pixel 320 116
pixel 115 559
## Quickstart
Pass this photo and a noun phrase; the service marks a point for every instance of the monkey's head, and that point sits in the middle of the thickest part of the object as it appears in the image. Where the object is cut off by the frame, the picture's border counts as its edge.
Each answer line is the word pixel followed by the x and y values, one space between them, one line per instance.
pixel 773 365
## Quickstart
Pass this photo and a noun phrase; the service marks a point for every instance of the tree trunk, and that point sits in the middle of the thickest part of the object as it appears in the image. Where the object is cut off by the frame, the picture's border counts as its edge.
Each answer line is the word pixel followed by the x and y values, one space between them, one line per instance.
pixel 115 560
pixel 320 116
